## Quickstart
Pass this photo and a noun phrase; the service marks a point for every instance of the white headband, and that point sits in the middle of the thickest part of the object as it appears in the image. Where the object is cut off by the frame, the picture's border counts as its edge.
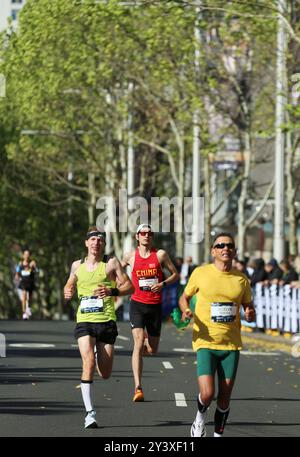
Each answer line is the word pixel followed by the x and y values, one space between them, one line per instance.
pixel 141 226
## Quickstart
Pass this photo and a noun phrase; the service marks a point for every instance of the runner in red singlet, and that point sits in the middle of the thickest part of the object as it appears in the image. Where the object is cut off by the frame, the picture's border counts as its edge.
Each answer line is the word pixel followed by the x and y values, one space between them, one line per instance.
pixel 147 265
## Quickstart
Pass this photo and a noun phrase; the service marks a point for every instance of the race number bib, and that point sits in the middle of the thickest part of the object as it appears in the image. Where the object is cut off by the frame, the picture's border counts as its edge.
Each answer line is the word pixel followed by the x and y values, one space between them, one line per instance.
pixel 91 305
pixel 223 312
pixel 25 273
pixel 146 283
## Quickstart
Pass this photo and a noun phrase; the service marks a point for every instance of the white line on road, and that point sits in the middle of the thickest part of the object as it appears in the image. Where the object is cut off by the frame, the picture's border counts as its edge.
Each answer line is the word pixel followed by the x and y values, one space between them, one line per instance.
pixel 182 350
pixel 168 365
pixel 180 399
pixel 115 346
pixel 125 338
pixel 32 345
pixel 259 353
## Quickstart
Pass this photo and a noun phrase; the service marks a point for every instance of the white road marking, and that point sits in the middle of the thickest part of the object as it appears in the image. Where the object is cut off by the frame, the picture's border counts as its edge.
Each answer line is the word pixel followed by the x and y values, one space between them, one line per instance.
pixel 259 353
pixel 115 346
pixel 32 345
pixel 125 338
pixel 183 350
pixel 168 365
pixel 180 399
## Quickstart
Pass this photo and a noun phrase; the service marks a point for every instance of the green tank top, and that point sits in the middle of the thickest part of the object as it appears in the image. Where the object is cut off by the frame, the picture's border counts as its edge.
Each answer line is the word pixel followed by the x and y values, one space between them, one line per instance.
pixel 91 308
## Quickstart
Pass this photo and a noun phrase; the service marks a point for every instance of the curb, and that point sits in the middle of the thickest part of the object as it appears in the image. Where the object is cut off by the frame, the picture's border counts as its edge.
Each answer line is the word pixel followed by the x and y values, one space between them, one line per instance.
pixel 287 338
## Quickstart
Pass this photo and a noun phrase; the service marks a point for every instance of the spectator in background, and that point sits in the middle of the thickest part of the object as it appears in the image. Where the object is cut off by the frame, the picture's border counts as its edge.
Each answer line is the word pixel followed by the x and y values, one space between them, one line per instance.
pixel 178 263
pixel 259 273
pixel 250 267
pixel 240 265
pixel 186 270
pixel 294 261
pixel 274 272
pixel 289 273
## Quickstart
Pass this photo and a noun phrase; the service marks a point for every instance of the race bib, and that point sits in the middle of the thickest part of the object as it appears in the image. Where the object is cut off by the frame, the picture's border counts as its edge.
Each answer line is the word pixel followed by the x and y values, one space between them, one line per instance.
pixel 146 283
pixel 25 273
pixel 223 312
pixel 91 305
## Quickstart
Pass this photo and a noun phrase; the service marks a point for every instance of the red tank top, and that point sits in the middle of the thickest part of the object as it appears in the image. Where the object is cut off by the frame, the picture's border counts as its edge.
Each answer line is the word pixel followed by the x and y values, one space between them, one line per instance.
pixel 145 272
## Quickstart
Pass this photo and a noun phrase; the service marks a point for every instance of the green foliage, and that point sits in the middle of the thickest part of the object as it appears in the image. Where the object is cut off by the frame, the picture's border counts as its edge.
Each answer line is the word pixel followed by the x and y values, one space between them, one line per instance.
pixel 69 68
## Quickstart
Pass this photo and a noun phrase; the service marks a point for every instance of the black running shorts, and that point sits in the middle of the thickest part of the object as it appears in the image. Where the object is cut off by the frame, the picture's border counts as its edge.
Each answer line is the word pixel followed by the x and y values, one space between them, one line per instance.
pixel 144 315
pixel 104 332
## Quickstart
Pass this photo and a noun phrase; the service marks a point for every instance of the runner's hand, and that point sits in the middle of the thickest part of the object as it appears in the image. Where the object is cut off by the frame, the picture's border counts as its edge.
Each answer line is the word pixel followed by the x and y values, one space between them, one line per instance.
pixel 186 314
pixel 68 291
pixel 102 291
pixel 156 287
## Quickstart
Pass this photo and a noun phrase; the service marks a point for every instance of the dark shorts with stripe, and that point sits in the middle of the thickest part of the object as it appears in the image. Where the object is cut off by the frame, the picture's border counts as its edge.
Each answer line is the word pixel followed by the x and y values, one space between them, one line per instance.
pixel 104 332
pixel 143 315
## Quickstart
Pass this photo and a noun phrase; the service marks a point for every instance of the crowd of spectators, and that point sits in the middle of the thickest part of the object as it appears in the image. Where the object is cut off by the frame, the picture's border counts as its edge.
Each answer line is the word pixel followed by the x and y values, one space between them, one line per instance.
pixel 271 272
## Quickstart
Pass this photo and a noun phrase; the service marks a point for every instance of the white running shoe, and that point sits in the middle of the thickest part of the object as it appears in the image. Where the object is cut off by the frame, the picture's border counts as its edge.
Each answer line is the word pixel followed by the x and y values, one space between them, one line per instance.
pixel 198 429
pixel 28 312
pixel 90 421
pixel 25 317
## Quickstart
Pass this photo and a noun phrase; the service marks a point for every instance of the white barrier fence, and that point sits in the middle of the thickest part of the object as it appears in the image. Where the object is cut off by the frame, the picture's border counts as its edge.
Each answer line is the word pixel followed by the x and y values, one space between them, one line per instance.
pixel 277 307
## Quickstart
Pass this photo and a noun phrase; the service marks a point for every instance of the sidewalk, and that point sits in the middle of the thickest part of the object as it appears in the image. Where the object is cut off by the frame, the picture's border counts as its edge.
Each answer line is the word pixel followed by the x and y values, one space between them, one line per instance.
pixel 272 336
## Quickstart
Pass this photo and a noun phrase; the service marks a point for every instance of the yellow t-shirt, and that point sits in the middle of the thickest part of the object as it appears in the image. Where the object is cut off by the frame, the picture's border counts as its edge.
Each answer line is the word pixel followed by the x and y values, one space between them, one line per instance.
pixel 217 314
pixel 93 309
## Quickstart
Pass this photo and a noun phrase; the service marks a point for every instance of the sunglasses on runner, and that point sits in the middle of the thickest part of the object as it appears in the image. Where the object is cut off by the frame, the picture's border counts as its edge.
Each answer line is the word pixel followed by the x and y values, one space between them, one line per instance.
pixel 222 246
pixel 146 233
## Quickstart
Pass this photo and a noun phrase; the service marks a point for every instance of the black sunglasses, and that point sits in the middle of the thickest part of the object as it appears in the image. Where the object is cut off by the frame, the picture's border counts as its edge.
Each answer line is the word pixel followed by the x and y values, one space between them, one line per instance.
pixel 222 246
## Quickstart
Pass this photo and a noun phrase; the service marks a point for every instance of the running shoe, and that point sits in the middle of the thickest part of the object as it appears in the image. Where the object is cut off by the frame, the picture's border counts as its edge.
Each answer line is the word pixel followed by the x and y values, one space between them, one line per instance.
pixel 90 421
pixel 138 394
pixel 198 429
pixel 28 312
pixel 25 317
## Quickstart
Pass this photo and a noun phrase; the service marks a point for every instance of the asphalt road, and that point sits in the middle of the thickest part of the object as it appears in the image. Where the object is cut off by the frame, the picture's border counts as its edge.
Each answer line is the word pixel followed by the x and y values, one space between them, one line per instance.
pixel 40 394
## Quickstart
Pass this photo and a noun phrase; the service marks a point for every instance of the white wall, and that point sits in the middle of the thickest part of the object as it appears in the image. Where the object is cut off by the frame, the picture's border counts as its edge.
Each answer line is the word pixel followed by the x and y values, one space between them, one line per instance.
pixel 6 7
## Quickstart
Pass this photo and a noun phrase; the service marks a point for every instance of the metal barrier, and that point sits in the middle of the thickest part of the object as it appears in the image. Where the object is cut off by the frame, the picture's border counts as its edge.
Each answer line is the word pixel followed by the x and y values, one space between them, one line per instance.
pixel 277 307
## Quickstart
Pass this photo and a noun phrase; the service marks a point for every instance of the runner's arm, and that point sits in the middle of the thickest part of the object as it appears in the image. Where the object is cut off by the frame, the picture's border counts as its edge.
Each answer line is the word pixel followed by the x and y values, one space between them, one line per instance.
pixel 167 263
pixel 184 302
pixel 70 286
pixel 124 285
pixel 126 259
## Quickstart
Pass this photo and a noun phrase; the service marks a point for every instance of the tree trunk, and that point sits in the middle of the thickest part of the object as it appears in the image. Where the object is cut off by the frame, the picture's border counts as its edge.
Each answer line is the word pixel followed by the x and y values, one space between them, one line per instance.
pixel 92 199
pixel 207 209
pixel 243 197
pixel 291 191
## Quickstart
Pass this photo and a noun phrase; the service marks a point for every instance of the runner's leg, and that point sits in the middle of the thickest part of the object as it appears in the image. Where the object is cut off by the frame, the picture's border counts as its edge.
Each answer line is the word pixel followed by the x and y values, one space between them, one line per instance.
pixel 105 357
pixel 222 409
pixel 86 347
pixel 137 355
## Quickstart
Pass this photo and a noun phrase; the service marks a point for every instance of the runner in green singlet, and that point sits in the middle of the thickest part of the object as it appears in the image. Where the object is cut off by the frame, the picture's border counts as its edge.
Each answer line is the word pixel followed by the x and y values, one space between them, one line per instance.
pixel 98 279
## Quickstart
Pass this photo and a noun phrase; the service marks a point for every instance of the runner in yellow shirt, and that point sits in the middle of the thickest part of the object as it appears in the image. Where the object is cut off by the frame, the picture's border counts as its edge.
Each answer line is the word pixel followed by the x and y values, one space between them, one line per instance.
pixel 220 291
pixel 98 278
